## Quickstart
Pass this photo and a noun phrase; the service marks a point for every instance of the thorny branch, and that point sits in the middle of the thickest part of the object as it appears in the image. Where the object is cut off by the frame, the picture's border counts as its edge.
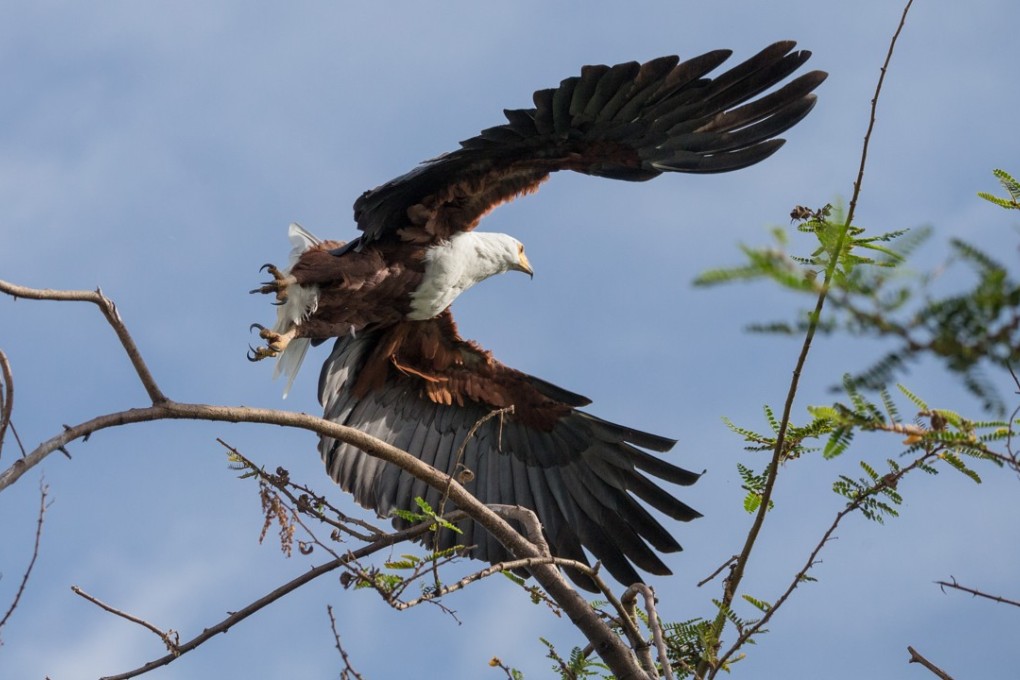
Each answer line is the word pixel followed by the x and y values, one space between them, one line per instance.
pixel 613 651
pixel 976 593
pixel 348 671
pixel 43 489
pixel 732 583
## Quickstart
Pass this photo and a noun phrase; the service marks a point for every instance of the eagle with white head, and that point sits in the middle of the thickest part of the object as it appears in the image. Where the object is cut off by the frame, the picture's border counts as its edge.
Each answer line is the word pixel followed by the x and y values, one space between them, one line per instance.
pixel 400 371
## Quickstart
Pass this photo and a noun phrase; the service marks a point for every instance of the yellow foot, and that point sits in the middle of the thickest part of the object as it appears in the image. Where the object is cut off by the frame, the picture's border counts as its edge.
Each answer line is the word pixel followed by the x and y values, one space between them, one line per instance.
pixel 278 285
pixel 275 343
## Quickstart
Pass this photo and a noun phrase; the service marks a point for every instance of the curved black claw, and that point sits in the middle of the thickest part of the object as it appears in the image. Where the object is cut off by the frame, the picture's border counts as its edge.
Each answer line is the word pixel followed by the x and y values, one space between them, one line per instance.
pixel 252 355
pixel 256 325
pixel 268 266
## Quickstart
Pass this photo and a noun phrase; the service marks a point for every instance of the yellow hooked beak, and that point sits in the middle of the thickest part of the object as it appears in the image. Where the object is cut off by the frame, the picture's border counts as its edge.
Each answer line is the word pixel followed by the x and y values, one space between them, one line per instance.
pixel 522 263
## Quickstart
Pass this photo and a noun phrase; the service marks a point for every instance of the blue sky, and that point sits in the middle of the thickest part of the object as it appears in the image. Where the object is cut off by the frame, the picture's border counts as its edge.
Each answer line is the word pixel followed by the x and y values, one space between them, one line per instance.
pixel 159 150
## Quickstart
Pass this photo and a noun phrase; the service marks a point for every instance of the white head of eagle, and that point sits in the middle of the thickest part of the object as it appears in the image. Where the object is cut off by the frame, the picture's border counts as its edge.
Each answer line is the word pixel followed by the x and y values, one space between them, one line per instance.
pixel 454 265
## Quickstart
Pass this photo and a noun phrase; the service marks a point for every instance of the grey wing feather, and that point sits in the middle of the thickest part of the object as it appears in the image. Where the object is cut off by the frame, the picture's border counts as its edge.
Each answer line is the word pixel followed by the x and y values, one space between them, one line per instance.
pixel 581 478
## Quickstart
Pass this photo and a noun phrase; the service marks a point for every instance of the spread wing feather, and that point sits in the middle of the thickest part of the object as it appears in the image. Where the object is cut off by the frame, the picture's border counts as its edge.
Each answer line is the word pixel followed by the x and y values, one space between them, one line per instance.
pixel 582 476
pixel 630 121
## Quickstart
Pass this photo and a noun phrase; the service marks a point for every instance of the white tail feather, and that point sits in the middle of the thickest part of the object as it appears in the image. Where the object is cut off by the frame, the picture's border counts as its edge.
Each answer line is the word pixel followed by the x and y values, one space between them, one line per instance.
pixel 300 303
pixel 289 362
pixel 300 240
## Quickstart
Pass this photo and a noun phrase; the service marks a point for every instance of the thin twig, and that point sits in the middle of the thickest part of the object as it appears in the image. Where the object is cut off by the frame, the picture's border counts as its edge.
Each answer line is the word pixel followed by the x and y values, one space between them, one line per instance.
pixel 109 310
pixel 917 658
pixel 976 593
pixel 731 560
pixel 14 431
pixel 169 638
pixel 731 584
pixel 348 668
pixel 7 397
pixel 43 489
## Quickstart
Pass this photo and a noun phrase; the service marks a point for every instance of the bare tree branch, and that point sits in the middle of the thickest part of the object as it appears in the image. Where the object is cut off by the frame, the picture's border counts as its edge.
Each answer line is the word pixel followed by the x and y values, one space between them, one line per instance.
pixel 109 310
pixel 6 397
pixel 976 593
pixel 170 638
pixel 348 671
pixel 917 658
pixel 43 489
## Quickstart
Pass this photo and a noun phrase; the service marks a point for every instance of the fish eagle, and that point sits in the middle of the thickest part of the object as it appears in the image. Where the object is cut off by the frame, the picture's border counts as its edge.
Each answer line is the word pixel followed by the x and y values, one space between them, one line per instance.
pixel 400 371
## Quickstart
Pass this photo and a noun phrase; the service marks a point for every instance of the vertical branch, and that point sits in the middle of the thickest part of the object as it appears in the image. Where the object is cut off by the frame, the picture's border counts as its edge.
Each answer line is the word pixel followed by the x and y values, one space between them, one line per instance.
pixel 43 489
pixel 6 397
pixel 348 671
pixel 736 574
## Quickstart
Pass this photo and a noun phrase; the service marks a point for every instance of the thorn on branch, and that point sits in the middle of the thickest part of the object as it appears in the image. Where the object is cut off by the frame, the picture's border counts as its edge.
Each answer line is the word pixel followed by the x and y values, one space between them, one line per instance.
pixel 974 592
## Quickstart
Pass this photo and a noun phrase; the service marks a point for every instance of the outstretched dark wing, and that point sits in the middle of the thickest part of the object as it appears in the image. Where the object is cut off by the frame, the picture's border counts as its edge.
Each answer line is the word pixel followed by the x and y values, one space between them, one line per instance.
pixel 581 475
pixel 630 121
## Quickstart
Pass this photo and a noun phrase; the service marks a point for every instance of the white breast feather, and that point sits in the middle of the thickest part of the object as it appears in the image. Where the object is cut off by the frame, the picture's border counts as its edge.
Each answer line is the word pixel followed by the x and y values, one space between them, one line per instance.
pixel 453 266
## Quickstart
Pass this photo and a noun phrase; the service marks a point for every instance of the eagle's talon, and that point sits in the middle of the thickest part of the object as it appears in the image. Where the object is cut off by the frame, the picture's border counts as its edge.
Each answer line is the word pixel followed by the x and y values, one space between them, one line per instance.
pixel 278 285
pixel 260 353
